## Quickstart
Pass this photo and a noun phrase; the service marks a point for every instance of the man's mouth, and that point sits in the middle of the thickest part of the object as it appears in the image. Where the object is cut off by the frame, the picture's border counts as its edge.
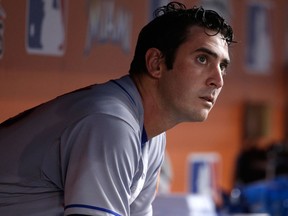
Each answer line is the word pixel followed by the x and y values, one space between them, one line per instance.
pixel 209 99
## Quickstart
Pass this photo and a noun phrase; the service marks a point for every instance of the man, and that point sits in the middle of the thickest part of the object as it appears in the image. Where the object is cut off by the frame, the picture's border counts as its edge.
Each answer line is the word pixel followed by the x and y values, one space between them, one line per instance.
pixel 98 150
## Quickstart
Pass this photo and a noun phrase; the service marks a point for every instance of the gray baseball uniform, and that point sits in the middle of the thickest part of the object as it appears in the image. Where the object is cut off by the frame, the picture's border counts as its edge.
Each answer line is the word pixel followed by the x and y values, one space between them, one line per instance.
pixel 85 152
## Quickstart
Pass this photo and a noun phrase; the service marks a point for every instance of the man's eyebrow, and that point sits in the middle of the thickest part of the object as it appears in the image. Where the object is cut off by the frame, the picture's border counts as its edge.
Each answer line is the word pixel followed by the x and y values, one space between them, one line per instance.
pixel 209 52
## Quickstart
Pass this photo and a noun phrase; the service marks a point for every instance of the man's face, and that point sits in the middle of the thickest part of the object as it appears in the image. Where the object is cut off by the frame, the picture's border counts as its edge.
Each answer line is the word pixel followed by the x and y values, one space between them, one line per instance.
pixel 190 89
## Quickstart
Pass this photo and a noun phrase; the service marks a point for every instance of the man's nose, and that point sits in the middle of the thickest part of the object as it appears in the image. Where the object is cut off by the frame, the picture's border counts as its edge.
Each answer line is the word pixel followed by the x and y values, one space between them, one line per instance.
pixel 216 78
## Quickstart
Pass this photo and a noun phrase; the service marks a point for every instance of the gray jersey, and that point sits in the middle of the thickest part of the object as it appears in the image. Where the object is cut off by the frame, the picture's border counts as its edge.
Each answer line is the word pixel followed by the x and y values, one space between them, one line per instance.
pixel 85 152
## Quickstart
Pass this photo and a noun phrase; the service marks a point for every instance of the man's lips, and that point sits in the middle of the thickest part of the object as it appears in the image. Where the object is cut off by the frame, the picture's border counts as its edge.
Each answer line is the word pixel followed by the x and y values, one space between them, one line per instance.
pixel 209 99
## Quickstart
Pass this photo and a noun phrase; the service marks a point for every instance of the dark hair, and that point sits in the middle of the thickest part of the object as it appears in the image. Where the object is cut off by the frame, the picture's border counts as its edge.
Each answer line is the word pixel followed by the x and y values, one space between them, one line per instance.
pixel 169 29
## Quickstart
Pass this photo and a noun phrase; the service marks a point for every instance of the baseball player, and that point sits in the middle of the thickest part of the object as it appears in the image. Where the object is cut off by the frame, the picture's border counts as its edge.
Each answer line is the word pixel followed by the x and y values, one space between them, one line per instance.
pixel 99 150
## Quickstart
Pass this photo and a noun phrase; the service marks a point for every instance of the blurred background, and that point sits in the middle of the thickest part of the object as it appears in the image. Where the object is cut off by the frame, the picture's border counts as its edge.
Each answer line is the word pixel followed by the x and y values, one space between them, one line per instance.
pixel 51 47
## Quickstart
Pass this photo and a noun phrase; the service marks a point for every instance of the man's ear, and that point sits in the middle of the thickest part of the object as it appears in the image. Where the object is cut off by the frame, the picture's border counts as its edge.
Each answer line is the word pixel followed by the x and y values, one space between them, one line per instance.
pixel 154 62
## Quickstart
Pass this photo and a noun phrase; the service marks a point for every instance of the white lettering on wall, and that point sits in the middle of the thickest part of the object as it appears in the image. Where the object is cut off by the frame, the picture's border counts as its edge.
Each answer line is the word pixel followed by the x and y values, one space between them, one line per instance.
pixel 108 23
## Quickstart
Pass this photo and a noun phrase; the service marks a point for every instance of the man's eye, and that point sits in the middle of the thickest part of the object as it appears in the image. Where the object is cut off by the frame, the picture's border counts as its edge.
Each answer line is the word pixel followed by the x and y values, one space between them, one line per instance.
pixel 223 67
pixel 202 59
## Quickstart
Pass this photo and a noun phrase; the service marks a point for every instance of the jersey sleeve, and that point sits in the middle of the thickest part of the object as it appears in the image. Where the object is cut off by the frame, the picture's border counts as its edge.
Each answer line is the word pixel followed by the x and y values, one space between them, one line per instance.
pixel 99 159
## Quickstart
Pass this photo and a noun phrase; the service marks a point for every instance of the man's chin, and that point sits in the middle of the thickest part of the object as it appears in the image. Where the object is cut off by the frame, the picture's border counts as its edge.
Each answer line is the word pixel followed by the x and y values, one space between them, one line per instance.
pixel 203 119
pixel 200 118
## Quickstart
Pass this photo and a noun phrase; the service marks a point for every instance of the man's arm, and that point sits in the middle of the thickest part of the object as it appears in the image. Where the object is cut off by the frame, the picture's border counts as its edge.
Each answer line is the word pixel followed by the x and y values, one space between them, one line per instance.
pixel 100 165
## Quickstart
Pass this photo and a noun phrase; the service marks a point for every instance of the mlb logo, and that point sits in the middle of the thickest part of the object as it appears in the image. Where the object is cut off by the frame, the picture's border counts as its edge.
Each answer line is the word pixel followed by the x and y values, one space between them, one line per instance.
pixel 46 27
pixel 259 51
pixel 204 173
pixel 1 38
pixel 2 17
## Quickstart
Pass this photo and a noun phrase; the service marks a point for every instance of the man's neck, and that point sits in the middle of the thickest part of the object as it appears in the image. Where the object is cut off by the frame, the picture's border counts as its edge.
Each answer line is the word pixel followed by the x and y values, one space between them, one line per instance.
pixel 156 119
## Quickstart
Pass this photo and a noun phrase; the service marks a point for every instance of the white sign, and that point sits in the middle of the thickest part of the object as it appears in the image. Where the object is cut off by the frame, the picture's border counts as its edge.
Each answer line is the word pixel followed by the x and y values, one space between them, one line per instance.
pixel 46 27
